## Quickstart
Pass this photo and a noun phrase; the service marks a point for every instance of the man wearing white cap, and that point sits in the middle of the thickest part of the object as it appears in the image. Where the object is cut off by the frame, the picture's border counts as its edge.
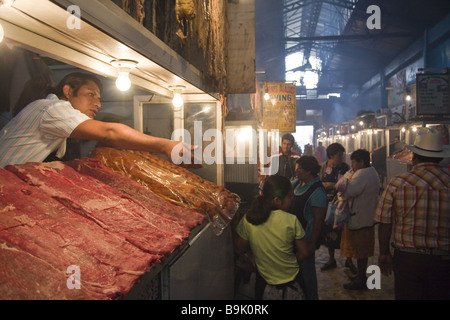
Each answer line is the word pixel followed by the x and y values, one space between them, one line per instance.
pixel 417 205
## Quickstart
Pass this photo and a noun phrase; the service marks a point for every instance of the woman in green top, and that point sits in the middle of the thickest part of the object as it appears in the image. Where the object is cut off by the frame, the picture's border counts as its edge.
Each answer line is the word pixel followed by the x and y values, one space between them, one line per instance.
pixel 276 239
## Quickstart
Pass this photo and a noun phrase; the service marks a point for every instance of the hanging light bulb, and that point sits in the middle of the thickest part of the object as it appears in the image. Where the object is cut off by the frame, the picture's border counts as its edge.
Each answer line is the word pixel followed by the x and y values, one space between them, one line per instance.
pixel 6 3
pixel 177 100
pixel 123 82
pixel 2 33
pixel 266 94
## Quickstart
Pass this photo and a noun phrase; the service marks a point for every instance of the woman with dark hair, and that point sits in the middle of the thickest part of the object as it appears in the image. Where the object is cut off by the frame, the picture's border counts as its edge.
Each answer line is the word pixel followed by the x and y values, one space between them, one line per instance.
pixel 309 204
pixel 330 172
pixel 358 235
pixel 276 240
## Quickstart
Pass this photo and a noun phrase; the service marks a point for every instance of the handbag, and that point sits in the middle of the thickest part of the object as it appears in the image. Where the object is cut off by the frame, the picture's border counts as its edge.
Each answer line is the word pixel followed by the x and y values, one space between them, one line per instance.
pixel 331 210
pixel 342 213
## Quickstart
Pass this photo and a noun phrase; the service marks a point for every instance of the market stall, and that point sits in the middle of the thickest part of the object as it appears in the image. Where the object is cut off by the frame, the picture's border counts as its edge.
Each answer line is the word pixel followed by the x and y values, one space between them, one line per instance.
pixel 164 247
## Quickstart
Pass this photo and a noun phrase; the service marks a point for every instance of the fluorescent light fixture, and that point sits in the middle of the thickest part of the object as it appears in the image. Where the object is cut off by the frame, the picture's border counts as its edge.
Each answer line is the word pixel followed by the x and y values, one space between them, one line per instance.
pixel 124 67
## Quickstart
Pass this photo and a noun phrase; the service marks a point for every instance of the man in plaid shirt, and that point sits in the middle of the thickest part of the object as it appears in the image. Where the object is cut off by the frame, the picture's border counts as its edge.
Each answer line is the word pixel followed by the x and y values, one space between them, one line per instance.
pixel 417 205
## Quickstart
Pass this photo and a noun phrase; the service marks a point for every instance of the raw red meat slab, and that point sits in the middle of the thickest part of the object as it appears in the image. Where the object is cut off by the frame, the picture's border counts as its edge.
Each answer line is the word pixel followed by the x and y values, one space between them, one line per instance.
pixel 99 202
pixel 164 209
pixel 25 277
pixel 32 221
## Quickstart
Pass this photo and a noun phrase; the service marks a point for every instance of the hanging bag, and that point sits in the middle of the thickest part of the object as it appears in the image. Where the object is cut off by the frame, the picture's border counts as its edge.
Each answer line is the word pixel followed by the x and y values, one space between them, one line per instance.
pixel 331 210
pixel 342 213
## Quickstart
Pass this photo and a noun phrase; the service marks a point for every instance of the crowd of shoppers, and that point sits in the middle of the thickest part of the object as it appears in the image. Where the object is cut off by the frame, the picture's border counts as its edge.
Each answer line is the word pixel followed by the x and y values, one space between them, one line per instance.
pixel 413 210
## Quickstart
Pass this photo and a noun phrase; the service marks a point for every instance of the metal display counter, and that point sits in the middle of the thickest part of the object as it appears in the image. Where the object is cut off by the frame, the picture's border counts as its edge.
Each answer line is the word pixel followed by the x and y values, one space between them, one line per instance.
pixel 202 268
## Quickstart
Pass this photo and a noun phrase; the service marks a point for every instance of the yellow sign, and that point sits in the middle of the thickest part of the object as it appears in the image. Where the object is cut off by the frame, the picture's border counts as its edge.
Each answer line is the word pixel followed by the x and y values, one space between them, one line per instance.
pixel 279 107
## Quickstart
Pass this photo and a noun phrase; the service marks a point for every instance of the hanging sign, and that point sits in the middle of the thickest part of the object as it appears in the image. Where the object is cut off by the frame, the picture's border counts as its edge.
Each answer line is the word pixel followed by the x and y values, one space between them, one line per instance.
pixel 433 94
pixel 279 106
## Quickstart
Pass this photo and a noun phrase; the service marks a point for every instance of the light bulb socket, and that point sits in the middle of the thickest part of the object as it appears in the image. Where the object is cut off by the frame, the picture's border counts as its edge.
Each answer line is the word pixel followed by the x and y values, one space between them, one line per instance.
pixel 124 64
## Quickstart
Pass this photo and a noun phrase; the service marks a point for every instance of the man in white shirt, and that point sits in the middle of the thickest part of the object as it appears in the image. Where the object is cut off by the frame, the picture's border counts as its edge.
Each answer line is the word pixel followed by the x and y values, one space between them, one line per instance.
pixel 43 126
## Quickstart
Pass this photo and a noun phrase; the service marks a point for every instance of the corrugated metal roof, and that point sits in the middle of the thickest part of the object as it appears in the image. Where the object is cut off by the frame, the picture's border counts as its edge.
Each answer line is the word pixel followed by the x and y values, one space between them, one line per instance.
pixel 337 32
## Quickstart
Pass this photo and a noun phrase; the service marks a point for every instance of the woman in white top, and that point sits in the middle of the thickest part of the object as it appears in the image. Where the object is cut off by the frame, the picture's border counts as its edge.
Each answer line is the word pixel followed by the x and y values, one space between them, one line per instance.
pixel 358 235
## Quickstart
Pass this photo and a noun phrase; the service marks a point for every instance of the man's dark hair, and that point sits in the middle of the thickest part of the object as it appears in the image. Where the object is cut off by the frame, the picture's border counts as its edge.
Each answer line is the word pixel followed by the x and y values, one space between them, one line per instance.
pixel 334 148
pixel 75 81
pixel 289 137
pixel 361 155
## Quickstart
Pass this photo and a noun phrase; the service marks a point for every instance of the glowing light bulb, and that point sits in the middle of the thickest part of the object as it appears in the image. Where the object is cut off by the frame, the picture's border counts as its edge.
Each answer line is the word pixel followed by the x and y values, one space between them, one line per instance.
pixel 266 96
pixel 6 3
pixel 177 100
pixel 123 82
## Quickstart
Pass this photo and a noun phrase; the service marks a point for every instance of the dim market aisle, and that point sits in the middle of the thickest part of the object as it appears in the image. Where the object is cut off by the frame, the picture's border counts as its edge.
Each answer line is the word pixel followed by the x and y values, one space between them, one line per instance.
pixel 331 282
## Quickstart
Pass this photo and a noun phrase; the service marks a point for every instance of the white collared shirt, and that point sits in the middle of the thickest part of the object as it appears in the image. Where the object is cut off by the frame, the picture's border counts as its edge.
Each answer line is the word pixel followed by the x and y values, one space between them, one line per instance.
pixel 41 128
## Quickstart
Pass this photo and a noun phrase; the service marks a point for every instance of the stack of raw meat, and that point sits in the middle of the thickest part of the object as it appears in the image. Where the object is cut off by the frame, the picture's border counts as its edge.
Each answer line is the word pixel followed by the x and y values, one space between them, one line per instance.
pixel 405 155
pixel 55 219
pixel 173 183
